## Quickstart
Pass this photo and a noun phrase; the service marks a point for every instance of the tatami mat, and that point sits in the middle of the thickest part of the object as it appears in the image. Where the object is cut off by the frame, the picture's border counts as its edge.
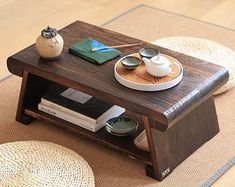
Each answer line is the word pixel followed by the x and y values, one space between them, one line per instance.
pixel 149 24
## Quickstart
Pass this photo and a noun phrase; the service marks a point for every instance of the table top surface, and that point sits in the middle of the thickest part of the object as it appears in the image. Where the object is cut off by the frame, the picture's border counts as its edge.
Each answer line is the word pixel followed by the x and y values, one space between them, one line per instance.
pixel 200 78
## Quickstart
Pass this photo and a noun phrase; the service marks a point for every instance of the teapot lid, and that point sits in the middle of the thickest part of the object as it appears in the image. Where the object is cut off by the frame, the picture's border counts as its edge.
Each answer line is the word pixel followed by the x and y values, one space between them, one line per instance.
pixel 158 59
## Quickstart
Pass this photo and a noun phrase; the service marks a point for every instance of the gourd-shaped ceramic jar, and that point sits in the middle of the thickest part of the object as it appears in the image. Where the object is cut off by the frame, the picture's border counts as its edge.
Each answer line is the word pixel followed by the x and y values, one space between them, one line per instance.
pixel 49 44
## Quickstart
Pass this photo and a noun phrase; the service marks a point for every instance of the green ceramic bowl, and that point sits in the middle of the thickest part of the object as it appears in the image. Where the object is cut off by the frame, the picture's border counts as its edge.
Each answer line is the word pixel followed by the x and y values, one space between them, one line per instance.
pixel 148 52
pixel 130 62
pixel 121 126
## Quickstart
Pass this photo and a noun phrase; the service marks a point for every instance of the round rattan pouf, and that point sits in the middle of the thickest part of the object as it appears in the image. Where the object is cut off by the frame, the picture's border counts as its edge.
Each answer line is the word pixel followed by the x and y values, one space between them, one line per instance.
pixel 205 50
pixel 34 163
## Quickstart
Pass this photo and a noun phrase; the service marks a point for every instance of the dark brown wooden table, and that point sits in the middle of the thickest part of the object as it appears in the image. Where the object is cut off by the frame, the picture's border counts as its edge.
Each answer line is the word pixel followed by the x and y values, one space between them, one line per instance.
pixel 177 121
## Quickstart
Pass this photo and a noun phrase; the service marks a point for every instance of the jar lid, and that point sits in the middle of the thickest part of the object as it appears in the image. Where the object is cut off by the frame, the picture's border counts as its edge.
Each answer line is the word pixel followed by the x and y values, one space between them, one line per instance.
pixel 49 32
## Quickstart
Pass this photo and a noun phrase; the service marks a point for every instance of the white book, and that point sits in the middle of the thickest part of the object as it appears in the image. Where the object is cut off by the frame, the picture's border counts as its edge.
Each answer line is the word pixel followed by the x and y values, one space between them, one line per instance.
pixel 67 110
pixel 81 106
pixel 67 117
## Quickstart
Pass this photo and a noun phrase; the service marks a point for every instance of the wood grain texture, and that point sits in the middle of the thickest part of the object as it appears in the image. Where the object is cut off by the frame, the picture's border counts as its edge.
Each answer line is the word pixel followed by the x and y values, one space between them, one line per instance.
pixel 24 94
pixel 32 89
pixel 160 145
pixel 200 79
pixel 168 149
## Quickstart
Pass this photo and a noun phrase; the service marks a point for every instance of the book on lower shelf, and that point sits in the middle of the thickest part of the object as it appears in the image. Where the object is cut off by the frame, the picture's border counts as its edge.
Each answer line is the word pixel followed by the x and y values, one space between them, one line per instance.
pixel 79 108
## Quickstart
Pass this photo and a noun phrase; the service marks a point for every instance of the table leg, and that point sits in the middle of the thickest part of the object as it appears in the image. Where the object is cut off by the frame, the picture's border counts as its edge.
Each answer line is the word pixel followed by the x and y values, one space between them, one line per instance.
pixel 20 116
pixel 169 148
pixel 158 150
pixel 32 88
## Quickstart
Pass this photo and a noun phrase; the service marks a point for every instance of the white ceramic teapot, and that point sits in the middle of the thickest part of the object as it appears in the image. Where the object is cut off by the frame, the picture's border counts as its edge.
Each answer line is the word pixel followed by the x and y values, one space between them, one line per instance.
pixel 158 66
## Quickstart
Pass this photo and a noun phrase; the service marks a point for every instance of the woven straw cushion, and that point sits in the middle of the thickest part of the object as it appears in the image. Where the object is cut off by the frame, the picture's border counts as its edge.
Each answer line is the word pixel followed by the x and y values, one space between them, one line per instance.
pixel 34 163
pixel 206 50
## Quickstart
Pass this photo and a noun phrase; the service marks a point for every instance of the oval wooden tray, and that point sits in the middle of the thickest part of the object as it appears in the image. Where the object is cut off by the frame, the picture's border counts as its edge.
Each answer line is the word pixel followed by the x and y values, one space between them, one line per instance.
pixel 140 79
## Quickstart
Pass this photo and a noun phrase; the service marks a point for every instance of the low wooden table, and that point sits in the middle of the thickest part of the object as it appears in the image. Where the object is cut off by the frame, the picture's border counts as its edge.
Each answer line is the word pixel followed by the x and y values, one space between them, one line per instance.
pixel 177 121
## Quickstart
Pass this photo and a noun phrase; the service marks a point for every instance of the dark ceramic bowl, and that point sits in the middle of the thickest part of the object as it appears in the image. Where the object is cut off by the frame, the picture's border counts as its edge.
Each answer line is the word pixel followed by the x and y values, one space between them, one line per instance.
pixel 148 52
pixel 121 126
pixel 130 62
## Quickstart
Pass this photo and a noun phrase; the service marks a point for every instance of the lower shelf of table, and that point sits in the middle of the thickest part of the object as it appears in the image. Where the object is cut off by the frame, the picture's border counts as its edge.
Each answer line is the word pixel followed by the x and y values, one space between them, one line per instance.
pixel 122 144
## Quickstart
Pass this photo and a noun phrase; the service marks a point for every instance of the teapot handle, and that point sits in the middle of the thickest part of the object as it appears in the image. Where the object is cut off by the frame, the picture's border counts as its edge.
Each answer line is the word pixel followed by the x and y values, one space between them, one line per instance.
pixel 178 69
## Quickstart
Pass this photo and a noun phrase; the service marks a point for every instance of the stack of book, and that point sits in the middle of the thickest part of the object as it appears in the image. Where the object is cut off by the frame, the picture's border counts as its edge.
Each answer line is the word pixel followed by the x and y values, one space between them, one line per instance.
pixel 79 108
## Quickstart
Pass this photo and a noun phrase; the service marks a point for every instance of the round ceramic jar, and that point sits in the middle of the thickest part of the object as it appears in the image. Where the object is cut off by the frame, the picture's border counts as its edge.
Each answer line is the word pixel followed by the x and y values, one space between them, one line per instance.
pixel 49 44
